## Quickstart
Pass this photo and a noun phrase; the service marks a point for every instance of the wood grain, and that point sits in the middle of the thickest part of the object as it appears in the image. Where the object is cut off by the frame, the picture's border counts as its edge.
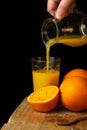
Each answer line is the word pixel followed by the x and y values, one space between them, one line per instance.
pixel 25 118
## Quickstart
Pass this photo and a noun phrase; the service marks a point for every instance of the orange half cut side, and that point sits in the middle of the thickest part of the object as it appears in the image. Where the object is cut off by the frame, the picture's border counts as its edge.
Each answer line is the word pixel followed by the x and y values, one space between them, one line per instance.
pixel 44 99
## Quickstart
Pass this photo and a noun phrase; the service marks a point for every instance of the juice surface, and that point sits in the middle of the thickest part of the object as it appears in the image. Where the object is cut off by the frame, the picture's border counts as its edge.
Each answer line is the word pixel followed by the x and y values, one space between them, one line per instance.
pixel 43 78
pixel 73 41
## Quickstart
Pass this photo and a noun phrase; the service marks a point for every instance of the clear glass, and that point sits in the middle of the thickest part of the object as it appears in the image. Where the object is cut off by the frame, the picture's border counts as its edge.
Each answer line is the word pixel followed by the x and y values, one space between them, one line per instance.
pixel 41 75
pixel 71 31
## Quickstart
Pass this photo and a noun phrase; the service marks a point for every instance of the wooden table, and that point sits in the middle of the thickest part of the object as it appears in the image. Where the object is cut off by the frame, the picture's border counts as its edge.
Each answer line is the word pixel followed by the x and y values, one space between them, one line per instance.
pixel 25 118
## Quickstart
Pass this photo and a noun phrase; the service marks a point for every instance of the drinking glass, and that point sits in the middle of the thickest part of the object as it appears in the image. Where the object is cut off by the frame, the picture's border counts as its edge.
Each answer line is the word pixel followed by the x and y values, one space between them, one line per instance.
pixel 44 73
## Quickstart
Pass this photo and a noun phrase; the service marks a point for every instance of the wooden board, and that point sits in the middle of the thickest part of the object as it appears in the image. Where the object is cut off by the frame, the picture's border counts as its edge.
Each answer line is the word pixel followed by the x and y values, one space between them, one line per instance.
pixel 25 118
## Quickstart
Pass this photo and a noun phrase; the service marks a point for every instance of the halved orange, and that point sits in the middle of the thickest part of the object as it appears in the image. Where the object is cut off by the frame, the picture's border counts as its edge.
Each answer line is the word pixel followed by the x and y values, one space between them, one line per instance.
pixel 44 99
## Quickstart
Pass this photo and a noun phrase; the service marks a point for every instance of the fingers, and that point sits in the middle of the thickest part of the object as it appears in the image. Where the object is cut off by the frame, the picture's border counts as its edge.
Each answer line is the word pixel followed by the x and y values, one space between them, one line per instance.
pixel 72 7
pixel 64 8
pixel 60 8
pixel 52 6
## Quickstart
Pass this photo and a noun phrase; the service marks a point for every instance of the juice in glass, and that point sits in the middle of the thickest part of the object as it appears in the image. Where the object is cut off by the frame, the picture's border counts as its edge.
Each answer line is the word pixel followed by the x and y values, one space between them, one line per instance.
pixel 43 76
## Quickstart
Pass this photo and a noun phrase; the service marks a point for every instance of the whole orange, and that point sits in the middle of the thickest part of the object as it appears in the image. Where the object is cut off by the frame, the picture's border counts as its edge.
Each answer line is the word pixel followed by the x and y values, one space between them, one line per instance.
pixel 44 99
pixel 76 72
pixel 73 93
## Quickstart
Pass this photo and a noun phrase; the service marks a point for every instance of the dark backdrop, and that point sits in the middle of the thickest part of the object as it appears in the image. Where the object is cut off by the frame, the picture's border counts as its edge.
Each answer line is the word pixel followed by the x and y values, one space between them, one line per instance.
pixel 22 23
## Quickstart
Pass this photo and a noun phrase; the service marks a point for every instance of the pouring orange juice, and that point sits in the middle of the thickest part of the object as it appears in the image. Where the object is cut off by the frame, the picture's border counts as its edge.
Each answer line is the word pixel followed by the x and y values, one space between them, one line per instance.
pixel 71 31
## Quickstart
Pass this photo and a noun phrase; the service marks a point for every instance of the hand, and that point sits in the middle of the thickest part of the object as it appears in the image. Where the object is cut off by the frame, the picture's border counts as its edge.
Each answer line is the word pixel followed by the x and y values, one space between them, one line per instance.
pixel 60 8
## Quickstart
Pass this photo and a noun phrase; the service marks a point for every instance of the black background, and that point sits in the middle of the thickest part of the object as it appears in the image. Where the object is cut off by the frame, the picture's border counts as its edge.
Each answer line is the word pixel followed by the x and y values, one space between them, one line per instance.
pixel 21 40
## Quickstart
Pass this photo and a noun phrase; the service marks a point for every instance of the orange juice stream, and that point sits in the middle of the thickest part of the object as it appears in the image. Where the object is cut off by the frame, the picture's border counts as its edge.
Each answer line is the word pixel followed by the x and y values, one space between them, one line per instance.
pixel 46 76
pixel 73 41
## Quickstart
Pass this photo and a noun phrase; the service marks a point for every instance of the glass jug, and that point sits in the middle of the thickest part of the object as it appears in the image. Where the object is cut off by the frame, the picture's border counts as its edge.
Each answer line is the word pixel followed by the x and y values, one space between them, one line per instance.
pixel 71 31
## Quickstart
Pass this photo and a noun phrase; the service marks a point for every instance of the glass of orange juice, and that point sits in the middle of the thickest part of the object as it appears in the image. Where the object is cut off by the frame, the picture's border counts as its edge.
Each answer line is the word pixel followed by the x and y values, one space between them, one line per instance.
pixel 45 72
